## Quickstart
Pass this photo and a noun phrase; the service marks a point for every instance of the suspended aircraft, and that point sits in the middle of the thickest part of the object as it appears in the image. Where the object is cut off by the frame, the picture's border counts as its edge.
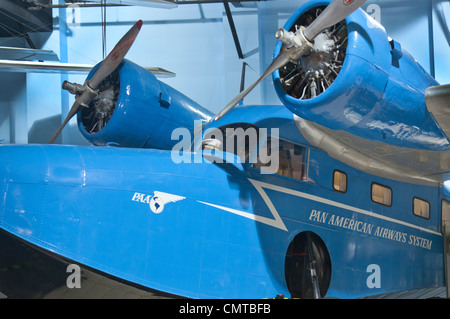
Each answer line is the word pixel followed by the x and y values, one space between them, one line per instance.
pixel 341 192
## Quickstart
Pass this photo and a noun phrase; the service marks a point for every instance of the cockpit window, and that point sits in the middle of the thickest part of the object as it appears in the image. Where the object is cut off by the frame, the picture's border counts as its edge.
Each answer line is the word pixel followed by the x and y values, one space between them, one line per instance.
pixel 253 145
pixel 292 158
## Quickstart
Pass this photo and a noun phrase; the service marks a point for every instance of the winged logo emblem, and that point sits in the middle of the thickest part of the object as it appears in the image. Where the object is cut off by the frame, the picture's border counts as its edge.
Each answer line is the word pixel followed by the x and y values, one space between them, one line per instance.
pixel 159 199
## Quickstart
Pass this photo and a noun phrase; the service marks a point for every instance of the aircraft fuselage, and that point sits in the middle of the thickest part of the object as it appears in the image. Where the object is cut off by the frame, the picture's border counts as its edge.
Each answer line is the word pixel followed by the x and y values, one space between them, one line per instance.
pixel 224 230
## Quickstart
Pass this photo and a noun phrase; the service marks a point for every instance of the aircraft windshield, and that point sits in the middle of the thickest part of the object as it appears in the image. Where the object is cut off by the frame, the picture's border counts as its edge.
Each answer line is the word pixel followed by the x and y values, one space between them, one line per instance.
pixel 272 156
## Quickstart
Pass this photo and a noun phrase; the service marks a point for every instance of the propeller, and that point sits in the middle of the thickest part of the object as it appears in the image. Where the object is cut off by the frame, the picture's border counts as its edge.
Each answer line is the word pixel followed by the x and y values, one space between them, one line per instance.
pixel 85 93
pixel 299 43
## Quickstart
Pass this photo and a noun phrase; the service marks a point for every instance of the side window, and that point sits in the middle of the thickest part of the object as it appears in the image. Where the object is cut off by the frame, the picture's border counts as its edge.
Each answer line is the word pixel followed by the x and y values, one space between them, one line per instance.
pixel 421 208
pixel 340 181
pixel 292 159
pixel 381 194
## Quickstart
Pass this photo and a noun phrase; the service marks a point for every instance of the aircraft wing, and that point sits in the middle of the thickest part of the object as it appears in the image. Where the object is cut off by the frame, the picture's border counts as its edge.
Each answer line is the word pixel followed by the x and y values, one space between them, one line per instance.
pixel 27 54
pixel 410 165
pixel 437 101
pixel 58 67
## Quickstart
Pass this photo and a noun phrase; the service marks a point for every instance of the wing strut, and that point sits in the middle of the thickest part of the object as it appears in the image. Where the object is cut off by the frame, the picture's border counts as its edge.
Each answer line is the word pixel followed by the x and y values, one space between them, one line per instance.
pixel 233 30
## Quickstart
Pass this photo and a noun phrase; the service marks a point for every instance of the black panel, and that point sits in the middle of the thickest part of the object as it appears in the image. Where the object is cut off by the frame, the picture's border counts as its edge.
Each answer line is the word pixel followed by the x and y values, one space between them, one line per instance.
pixel 17 19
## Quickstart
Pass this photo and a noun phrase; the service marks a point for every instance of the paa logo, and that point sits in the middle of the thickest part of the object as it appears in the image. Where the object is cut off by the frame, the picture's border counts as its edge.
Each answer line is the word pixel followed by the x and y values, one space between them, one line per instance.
pixel 157 201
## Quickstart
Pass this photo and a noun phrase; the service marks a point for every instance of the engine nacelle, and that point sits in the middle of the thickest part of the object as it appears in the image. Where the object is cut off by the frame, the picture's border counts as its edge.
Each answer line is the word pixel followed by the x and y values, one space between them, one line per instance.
pixel 359 80
pixel 134 109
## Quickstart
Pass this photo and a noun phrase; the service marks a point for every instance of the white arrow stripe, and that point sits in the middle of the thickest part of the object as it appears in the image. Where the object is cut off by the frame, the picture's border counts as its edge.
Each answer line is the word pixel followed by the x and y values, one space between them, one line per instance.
pixel 278 223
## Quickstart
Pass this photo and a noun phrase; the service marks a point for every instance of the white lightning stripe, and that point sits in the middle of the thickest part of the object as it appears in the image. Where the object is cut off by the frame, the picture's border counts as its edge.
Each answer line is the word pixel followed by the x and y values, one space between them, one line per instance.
pixel 278 223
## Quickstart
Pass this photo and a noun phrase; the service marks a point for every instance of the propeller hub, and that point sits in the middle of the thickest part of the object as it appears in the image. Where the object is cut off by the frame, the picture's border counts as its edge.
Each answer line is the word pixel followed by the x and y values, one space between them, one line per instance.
pixel 73 88
pixel 295 44
pixel 86 97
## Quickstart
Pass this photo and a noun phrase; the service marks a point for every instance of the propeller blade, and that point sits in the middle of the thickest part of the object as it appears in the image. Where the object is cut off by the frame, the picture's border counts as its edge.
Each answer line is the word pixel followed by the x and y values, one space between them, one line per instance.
pixel 112 61
pixel 72 112
pixel 116 56
pixel 334 13
pixel 280 61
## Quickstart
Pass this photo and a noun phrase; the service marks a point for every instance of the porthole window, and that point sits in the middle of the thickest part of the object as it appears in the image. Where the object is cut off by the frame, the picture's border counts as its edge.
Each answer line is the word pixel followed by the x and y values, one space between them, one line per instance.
pixel 340 181
pixel 381 194
pixel 421 208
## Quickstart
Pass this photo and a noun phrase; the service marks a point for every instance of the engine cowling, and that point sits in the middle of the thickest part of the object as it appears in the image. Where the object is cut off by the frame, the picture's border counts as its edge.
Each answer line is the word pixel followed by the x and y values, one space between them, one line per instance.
pixel 359 80
pixel 134 109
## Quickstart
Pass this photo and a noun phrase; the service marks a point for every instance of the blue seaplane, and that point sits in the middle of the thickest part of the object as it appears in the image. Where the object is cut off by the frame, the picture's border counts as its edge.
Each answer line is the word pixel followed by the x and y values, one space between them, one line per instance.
pixel 340 192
